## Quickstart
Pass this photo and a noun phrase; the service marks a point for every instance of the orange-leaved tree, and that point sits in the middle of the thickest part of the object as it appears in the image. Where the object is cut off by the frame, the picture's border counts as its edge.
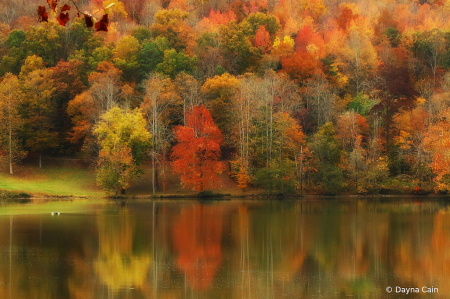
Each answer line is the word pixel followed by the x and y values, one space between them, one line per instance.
pixel 262 39
pixel 196 155
pixel 436 142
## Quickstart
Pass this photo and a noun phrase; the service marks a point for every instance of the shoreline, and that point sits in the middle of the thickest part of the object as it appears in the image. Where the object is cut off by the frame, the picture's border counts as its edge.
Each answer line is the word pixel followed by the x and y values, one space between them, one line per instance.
pixel 220 197
pixel 60 181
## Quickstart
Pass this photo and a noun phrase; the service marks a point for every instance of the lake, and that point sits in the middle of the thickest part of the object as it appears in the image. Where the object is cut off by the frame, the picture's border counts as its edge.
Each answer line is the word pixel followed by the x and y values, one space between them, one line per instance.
pixel 226 249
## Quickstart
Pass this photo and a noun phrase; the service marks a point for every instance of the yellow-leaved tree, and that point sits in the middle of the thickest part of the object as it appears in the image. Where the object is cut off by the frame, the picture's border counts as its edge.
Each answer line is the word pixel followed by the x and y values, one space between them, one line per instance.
pixel 10 120
pixel 123 140
pixel 38 106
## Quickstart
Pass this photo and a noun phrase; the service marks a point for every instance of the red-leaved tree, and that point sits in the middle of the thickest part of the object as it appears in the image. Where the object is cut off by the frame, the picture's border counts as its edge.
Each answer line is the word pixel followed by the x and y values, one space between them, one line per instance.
pixel 196 155
pixel 262 39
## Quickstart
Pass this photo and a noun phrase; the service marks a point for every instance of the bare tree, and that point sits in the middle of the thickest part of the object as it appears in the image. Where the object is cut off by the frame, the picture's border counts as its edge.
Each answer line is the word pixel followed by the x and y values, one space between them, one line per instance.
pixel 157 102
pixel 188 88
pixel 320 97
pixel 105 86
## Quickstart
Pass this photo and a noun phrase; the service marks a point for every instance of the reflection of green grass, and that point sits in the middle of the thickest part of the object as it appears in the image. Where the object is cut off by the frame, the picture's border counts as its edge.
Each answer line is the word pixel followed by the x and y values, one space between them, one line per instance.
pixel 51 180
pixel 63 206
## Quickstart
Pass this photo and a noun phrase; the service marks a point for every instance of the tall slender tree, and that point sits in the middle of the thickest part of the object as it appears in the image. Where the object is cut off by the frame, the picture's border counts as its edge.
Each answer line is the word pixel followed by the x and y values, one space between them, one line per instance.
pixel 10 120
pixel 39 106
pixel 156 106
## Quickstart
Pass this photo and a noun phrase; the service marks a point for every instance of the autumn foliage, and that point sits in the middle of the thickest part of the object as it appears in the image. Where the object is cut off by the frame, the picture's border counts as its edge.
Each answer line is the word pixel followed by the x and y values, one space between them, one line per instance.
pixel 262 39
pixel 196 155
pixel 357 69
pixel 437 142
pixel 308 41
pixel 123 141
pixel 218 18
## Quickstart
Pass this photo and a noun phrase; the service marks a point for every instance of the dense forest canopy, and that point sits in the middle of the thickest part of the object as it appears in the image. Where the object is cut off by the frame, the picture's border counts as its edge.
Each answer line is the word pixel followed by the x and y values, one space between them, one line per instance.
pixel 323 96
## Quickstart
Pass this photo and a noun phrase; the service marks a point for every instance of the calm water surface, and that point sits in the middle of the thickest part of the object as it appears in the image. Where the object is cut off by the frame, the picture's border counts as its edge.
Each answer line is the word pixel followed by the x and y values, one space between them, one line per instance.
pixel 229 249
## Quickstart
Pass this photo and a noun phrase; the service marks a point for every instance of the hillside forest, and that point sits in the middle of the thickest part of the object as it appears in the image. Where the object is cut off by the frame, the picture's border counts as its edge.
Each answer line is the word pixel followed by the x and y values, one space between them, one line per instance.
pixel 310 96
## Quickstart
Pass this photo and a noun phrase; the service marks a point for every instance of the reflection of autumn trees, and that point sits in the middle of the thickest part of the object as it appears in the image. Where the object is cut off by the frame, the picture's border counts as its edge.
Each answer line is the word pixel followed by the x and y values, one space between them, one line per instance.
pixel 235 249
pixel 423 255
pixel 241 253
pixel 350 245
pixel 280 237
pixel 79 286
pixel 35 252
pixel 197 236
pixel 26 272
pixel 362 243
pixel 117 265
pixel 302 248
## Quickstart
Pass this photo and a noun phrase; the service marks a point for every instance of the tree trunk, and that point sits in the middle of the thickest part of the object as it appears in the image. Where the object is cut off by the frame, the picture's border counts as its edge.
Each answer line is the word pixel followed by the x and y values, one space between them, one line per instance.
pixel 40 159
pixel 153 174
pixel 10 152
pixel 301 170
pixel 154 133
pixel 156 178
pixel 202 186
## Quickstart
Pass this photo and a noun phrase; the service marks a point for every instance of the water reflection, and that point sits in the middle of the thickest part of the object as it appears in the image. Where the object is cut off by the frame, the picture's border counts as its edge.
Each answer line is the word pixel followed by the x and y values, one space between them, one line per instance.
pixel 117 266
pixel 235 249
pixel 197 236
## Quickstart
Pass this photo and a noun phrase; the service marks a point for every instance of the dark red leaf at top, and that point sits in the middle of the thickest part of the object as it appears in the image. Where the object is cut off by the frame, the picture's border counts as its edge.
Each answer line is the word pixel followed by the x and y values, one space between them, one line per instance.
pixel 89 21
pixel 63 18
pixel 102 25
pixel 43 15
pixel 65 7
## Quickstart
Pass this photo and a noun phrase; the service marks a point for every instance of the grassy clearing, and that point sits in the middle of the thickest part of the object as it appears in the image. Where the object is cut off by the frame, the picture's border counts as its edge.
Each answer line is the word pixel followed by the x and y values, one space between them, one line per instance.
pixel 66 177
pixel 52 179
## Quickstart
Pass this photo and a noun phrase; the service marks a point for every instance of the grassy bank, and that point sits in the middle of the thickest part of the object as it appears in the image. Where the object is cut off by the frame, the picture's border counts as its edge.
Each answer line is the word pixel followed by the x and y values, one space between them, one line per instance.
pixel 52 179
pixel 70 177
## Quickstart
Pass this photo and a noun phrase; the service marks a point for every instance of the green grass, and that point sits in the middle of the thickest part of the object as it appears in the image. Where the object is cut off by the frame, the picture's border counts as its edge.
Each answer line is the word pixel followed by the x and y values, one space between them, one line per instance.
pixel 51 180
pixel 70 177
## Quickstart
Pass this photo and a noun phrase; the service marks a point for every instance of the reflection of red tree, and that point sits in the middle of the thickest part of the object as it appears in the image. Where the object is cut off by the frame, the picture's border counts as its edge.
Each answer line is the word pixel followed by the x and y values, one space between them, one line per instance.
pixel 197 235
